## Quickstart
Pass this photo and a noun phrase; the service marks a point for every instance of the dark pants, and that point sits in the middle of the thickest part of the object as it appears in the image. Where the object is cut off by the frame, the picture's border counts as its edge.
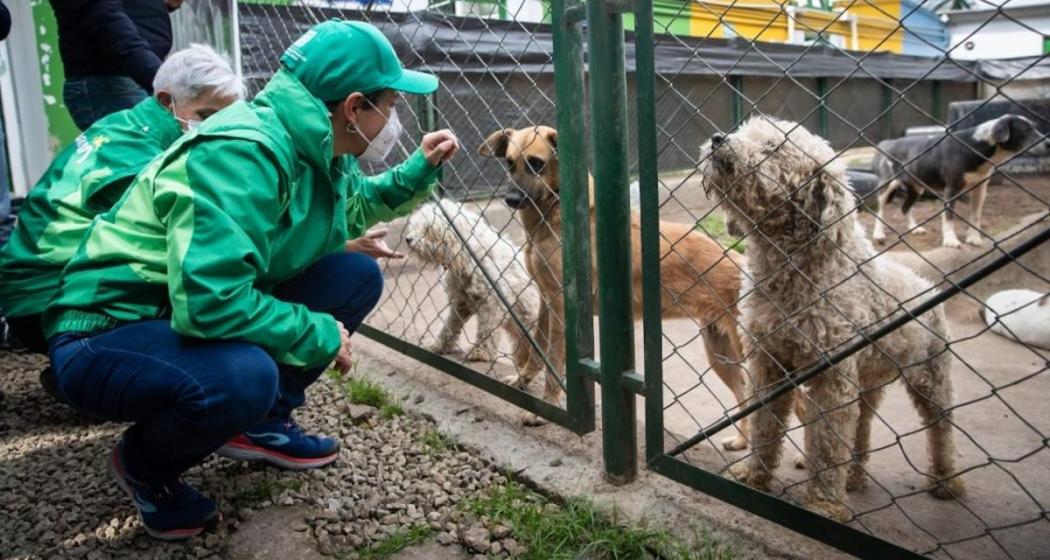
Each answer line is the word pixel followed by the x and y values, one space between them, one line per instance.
pixel 188 396
pixel 28 331
pixel 91 98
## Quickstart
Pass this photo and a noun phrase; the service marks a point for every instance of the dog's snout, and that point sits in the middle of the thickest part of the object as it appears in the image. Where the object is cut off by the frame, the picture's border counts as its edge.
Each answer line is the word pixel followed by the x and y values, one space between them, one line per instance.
pixel 409 240
pixel 717 140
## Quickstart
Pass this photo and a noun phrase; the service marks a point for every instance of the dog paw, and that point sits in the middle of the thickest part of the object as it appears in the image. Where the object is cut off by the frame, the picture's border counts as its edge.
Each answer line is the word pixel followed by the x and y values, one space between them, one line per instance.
pixel 951 243
pixel 918 230
pixel 878 237
pixel 515 381
pixel 443 349
pixel 948 489
pixel 734 443
pixel 800 461
pixel 477 355
pixel 975 239
pixel 856 480
pixel 531 420
pixel 755 478
pixel 832 509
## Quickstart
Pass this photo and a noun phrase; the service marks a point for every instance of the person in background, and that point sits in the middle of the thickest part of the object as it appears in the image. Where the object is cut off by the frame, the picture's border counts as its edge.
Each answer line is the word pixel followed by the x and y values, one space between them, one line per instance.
pixel 91 174
pixel 7 219
pixel 111 50
pixel 202 306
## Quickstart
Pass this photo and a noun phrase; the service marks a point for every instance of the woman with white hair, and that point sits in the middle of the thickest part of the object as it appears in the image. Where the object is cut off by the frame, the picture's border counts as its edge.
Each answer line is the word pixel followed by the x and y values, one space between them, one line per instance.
pixel 90 175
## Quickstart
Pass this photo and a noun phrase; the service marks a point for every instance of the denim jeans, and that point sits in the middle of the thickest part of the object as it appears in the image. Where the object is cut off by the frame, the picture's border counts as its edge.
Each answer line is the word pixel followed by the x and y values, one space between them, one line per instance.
pixel 91 98
pixel 188 396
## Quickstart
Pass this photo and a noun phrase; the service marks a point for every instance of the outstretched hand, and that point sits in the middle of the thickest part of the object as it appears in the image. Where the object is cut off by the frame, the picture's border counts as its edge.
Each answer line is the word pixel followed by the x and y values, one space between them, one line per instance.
pixel 373 244
pixel 439 147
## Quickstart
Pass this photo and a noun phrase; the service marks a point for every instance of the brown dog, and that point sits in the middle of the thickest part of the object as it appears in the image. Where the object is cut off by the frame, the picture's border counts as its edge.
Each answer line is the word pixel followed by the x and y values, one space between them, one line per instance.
pixel 699 280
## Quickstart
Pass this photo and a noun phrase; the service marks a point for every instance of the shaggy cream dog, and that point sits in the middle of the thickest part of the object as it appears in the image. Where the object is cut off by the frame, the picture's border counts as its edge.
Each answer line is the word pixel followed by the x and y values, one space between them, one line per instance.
pixel 812 284
pixel 432 238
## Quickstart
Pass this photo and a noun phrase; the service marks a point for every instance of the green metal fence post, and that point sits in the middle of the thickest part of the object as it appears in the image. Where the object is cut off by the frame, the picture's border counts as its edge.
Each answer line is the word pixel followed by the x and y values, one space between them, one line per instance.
pixel 613 231
pixel 887 109
pixel 648 182
pixel 822 110
pixel 576 213
pixel 736 99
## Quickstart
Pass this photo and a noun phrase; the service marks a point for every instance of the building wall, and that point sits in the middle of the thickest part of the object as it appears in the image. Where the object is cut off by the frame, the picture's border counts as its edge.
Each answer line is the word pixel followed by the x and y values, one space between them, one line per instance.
pixel 1000 38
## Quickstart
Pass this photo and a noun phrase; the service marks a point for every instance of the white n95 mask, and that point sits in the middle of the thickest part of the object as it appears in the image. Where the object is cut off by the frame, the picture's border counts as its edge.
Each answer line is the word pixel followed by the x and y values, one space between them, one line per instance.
pixel 384 142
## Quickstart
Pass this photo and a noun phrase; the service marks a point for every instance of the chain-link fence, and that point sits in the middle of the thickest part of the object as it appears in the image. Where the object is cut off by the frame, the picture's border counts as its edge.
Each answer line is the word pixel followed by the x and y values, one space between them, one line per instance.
pixel 466 290
pixel 932 438
pixel 750 257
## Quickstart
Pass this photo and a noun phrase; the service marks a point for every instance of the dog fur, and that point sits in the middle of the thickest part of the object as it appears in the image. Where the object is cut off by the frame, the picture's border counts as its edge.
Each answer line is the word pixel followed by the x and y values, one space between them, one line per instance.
pixel 951 166
pixel 804 294
pixel 700 279
pixel 432 239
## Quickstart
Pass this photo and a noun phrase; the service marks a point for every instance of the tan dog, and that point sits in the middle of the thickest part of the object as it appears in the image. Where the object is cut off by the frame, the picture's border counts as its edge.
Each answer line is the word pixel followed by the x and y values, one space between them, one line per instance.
pixel 813 282
pixel 700 281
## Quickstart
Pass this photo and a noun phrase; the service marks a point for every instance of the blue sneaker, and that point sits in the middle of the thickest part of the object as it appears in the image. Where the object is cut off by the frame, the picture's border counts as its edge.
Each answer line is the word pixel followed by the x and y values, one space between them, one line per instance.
pixel 281 442
pixel 169 512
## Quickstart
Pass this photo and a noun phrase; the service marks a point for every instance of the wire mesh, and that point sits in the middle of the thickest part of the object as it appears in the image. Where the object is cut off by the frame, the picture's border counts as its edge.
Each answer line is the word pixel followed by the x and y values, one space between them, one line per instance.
pixel 999 425
pixel 464 291
pixel 718 64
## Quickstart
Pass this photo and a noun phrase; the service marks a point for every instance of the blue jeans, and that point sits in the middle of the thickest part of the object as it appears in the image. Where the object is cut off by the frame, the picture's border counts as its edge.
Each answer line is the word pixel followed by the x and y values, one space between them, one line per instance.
pixel 188 396
pixel 93 97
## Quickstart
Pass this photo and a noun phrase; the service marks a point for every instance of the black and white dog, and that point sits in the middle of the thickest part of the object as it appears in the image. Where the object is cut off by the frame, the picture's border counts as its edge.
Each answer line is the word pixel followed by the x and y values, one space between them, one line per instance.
pixel 950 164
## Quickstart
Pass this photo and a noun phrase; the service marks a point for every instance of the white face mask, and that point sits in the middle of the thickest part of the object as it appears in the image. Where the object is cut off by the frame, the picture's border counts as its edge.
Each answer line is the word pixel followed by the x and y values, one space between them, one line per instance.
pixel 384 142
pixel 187 124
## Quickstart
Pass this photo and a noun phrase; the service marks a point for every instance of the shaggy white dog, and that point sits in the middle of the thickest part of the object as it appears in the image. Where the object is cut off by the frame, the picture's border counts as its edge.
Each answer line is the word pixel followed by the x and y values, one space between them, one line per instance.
pixel 432 238
pixel 1021 315
pixel 812 283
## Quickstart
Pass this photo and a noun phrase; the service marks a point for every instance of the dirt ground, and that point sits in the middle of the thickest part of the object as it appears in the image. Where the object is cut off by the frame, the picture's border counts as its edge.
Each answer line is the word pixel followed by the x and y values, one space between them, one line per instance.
pixel 1002 420
pixel 1005 203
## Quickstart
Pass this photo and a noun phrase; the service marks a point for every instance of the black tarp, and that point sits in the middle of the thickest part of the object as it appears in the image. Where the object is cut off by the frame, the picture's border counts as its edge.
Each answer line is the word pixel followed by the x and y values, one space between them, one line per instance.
pixel 445 44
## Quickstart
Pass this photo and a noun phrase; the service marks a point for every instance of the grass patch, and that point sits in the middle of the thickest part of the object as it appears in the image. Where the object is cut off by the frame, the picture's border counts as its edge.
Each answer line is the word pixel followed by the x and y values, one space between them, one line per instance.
pixel 363 390
pixel 434 443
pixel 391 545
pixel 266 489
pixel 390 410
pixel 714 225
pixel 579 530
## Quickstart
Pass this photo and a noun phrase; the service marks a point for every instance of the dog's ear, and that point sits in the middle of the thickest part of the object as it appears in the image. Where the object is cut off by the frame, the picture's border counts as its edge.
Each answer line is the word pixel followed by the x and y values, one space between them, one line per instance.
pixel 496 144
pixel 551 136
pixel 1001 131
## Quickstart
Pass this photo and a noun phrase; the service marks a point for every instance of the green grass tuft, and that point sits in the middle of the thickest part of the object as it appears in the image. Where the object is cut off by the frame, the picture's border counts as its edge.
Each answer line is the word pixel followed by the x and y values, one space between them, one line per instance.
pixel 390 410
pixel 434 443
pixel 363 390
pixel 392 544
pixel 579 530
pixel 265 489
pixel 714 225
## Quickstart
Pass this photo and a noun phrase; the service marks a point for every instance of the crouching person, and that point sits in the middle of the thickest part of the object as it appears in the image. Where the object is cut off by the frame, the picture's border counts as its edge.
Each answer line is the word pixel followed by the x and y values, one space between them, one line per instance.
pixel 211 296
pixel 90 175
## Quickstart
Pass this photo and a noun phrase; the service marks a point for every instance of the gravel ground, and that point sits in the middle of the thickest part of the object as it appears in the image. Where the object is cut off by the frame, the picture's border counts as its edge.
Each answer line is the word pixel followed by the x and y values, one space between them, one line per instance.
pixel 57 501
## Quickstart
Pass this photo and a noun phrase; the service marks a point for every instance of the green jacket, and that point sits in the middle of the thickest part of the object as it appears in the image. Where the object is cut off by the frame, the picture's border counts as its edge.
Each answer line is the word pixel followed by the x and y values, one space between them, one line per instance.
pixel 204 234
pixel 85 180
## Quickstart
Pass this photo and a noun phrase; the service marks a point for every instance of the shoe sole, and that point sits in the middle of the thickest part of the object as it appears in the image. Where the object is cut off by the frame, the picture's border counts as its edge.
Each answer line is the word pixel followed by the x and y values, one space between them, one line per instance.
pixel 238 451
pixel 170 535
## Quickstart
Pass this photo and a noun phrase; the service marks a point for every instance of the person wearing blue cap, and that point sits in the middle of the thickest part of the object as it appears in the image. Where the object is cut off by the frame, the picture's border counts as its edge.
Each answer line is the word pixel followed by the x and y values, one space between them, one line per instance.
pixel 206 301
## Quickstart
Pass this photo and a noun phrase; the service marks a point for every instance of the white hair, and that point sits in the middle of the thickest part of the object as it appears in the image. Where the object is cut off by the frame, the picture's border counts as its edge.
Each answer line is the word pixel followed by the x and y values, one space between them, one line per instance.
pixel 190 72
